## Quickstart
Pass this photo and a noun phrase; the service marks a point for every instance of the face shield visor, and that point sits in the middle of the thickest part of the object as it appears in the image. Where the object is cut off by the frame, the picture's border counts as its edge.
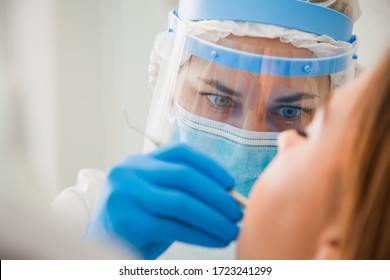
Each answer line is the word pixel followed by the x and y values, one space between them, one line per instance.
pixel 230 96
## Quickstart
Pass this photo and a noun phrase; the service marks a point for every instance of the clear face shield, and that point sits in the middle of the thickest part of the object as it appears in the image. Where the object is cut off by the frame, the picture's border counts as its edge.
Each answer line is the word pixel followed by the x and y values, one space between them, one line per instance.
pixel 231 97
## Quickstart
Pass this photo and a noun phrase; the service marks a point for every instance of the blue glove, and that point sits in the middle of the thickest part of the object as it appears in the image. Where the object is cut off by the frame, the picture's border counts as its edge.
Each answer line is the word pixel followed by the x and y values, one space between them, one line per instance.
pixel 173 194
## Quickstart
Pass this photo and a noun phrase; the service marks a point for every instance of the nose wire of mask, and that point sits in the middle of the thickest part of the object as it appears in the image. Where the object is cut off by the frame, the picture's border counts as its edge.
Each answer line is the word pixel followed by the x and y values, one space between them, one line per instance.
pixel 239 198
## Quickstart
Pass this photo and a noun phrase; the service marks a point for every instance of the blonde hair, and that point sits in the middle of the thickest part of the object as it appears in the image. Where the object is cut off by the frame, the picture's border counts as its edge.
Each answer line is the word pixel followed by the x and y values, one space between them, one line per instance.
pixel 366 177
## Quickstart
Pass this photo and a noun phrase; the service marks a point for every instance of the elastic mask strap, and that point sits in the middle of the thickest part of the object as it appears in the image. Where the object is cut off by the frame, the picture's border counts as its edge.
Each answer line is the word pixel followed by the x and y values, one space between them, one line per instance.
pixel 294 14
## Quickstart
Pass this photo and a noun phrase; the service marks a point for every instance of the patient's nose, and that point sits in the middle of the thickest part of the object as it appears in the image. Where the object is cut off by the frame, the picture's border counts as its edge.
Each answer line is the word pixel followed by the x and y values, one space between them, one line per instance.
pixel 288 139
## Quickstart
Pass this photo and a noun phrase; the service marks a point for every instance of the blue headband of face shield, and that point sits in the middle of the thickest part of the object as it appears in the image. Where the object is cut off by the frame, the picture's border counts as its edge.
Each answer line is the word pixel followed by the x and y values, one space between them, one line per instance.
pixel 271 65
pixel 295 14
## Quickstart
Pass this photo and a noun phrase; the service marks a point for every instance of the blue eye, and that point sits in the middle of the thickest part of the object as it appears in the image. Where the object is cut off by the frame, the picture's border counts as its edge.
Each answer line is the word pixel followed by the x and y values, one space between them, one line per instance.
pixel 289 112
pixel 219 100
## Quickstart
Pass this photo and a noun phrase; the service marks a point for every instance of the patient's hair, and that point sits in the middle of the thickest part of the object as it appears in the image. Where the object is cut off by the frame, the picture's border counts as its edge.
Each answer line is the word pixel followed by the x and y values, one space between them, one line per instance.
pixel 366 207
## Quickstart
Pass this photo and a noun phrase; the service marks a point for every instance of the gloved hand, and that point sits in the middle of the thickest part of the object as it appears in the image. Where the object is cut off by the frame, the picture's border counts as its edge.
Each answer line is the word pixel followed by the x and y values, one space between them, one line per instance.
pixel 173 194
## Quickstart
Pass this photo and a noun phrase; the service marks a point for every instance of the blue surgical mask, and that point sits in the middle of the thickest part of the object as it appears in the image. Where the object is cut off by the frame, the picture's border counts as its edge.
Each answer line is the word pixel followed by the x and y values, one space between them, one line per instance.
pixel 244 153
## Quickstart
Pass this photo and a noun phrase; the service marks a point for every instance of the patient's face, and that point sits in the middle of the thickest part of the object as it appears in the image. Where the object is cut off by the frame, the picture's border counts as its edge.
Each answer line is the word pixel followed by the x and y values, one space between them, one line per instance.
pixel 293 208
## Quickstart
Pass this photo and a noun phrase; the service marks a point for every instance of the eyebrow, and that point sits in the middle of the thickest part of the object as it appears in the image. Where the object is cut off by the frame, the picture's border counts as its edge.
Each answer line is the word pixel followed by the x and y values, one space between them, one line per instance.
pixel 221 87
pixel 296 97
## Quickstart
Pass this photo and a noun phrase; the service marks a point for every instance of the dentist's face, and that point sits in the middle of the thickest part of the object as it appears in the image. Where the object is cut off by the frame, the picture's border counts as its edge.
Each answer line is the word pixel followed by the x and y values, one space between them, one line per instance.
pixel 294 207
pixel 251 101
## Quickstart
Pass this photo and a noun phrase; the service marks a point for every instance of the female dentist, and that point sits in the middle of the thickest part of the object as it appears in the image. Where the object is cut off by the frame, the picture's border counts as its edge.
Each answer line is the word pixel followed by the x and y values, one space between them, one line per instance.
pixel 227 76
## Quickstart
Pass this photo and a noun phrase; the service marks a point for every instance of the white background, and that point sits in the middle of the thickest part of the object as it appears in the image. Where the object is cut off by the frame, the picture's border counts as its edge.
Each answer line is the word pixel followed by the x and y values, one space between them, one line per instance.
pixel 74 66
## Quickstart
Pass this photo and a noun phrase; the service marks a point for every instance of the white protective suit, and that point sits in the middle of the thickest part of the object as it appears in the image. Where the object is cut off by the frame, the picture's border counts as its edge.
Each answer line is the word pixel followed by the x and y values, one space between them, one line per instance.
pixel 76 205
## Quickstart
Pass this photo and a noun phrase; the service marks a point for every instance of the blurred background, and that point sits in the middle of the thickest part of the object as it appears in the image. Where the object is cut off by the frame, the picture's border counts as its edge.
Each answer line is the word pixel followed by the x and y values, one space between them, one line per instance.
pixel 70 68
